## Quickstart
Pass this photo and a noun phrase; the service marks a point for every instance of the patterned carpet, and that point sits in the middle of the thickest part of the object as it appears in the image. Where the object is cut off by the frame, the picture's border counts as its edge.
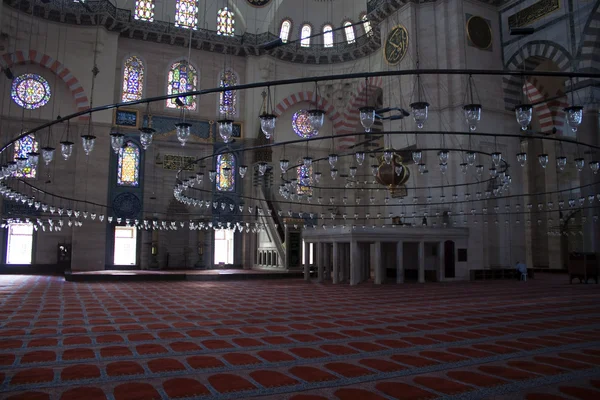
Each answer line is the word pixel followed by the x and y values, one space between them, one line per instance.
pixel 287 339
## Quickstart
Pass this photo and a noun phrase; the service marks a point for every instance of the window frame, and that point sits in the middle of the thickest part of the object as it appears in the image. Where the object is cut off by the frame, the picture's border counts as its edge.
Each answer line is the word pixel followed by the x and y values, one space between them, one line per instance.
pixel 305 42
pixel 328 44
pixel 289 31
pixel 349 31
pixel 143 64
pixel 194 98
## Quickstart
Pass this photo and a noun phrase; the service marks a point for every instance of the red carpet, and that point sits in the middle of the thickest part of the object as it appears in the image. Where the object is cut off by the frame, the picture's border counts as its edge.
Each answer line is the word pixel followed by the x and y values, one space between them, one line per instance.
pixel 288 339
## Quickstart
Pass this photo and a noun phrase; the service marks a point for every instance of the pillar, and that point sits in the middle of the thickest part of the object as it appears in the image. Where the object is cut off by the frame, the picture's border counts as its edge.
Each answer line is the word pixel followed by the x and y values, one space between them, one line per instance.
pixel 442 266
pixel 400 262
pixel 421 262
pixel 306 261
pixel 378 266
pixel 354 262
pixel 320 261
pixel 336 263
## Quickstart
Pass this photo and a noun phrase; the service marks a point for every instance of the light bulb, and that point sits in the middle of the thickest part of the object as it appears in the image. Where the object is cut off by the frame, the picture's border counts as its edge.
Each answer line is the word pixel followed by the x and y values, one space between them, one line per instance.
pixel 183 130
pixel 66 149
pixel 472 113
pixel 225 127
pixel 116 141
pixel 420 111
pixel 48 154
pixel 417 156
pixel 543 160
pixel 146 136
pixel 267 124
pixel 367 117
pixel 360 157
pixel 574 115
pixel 523 113
pixel 88 142
pixel 522 159
pixel 471 158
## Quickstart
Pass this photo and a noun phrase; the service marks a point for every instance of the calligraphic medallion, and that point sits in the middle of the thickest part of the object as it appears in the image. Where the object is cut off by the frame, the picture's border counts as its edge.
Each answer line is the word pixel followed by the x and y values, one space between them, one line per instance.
pixel 479 32
pixel 396 45
pixel 258 3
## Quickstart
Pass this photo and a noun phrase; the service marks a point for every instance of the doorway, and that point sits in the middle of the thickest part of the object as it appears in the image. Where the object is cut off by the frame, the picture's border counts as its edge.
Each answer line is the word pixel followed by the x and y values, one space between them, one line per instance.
pixel 19 244
pixel 223 247
pixel 125 245
pixel 449 259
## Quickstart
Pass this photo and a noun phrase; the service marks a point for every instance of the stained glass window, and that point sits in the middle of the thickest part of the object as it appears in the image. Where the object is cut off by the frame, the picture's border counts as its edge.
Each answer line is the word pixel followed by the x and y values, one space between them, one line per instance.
pixel 133 79
pixel 186 14
pixel 128 165
pixel 22 147
pixel 30 91
pixel 284 33
pixel 301 124
pixel 367 25
pixel 228 99
pixel 305 179
pixel 349 29
pixel 225 22
pixel 328 36
pixel 182 78
pixel 225 172
pixel 305 35
pixel 144 10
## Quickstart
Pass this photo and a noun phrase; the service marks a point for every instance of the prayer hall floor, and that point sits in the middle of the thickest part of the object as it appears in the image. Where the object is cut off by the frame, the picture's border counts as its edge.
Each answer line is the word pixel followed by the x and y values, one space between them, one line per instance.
pixel 288 339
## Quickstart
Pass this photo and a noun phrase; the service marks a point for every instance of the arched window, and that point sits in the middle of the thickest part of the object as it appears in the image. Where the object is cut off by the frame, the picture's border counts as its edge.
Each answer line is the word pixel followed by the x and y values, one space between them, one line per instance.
pixel 349 30
pixel 228 99
pixel 305 35
pixel 225 22
pixel 225 172
pixel 328 36
pixel 284 32
pixel 305 179
pixel 144 10
pixel 133 79
pixel 182 78
pixel 186 14
pixel 128 165
pixel 367 25
pixel 22 148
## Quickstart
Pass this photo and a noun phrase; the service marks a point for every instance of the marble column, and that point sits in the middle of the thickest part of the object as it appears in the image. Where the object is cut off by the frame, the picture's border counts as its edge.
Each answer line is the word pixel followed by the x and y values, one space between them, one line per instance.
pixel 421 262
pixel 400 262
pixel 378 266
pixel 336 263
pixel 306 261
pixel 320 261
pixel 354 262
pixel 442 266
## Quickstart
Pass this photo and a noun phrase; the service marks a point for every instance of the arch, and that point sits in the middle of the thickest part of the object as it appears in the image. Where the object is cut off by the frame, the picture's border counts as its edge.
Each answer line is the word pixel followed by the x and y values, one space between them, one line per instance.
pixel 528 58
pixel 351 118
pixel 366 24
pixel 285 28
pixel 550 114
pixel 305 33
pixel 349 31
pixel 327 31
pixel 334 116
pixel 34 57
